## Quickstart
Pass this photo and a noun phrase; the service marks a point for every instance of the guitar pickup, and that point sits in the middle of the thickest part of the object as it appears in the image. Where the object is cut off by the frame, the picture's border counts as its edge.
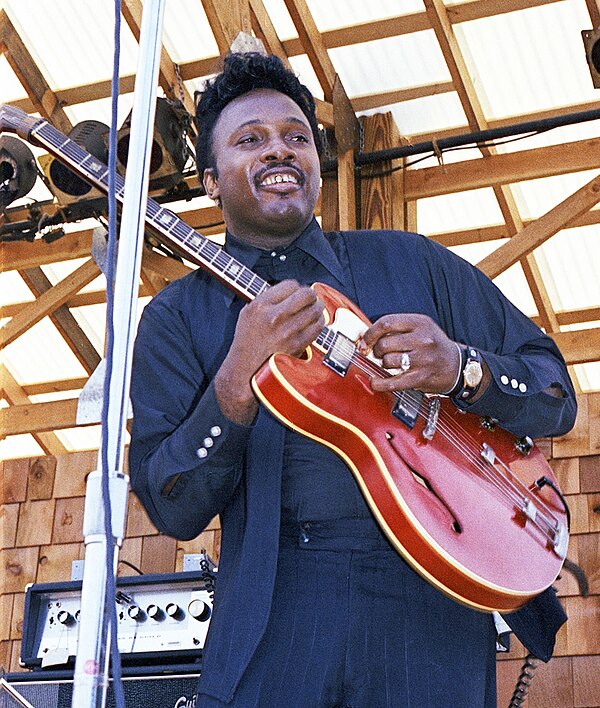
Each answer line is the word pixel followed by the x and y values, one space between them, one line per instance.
pixel 407 407
pixel 340 353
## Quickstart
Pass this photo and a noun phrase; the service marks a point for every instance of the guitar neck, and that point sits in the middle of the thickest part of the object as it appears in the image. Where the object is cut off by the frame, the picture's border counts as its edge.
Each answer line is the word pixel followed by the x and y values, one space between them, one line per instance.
pixel 169 228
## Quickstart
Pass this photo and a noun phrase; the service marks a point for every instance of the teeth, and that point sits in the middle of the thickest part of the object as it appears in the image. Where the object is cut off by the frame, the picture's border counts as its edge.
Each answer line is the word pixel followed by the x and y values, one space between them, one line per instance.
pixel 278 179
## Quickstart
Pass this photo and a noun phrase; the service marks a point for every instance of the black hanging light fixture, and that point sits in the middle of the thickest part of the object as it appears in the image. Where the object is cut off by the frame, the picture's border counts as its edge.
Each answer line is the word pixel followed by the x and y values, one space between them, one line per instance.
pixel 18 170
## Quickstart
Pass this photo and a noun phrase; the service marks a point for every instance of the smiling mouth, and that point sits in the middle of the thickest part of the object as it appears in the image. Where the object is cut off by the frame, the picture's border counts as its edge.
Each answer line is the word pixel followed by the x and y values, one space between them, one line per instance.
pixel 279 175
pixel 279 179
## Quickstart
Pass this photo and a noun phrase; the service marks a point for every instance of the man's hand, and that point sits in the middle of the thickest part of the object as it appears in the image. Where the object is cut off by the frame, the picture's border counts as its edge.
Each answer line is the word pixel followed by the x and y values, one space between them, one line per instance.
pixel 285 318
pixel 434 358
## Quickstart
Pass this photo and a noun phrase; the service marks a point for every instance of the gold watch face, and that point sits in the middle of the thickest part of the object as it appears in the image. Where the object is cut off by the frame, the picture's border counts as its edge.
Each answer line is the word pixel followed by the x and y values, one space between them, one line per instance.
pixel 473 373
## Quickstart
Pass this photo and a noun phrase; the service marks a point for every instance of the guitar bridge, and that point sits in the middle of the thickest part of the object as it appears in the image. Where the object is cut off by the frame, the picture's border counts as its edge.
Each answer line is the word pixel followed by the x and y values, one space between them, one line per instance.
pixel 340 353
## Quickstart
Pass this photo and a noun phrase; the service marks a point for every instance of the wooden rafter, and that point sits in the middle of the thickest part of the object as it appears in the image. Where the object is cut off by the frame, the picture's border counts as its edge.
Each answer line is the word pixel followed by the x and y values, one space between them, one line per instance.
pixel 541 229
pixel 48 302
pixel 14 394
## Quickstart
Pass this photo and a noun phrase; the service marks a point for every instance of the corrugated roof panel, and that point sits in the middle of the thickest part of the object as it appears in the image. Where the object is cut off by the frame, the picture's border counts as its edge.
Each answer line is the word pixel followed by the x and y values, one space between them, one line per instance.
pixel 531 59
pixel 340 13
pixel 463 210
pixel 409 60
pixel 70 46
pixel 41 354
pixel 186 32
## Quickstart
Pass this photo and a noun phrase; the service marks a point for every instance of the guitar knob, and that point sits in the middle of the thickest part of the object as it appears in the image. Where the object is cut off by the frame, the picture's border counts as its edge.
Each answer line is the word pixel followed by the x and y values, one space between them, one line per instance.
pixel 524 445
pixel 489 423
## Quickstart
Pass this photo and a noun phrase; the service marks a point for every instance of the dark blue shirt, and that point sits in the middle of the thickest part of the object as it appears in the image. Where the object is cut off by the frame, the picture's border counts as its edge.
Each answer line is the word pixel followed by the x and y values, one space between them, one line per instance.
pixel 317 485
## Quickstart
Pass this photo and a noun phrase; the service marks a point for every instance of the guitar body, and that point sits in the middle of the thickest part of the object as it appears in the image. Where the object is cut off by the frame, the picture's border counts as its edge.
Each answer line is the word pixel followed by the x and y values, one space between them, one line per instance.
pixel 438 500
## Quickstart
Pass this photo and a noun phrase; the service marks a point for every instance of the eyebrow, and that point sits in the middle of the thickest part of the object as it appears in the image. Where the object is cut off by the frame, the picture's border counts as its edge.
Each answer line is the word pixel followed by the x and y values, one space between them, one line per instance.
pixel 256 121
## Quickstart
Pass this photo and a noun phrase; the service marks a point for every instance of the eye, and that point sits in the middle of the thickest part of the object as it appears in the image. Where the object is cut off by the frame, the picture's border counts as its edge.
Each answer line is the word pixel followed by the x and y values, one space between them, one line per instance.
pixel 299 138
pixel 247 139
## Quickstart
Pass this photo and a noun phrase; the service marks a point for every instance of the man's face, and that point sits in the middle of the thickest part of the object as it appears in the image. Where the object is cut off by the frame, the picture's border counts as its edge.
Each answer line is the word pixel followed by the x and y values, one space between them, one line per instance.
pixel 268 168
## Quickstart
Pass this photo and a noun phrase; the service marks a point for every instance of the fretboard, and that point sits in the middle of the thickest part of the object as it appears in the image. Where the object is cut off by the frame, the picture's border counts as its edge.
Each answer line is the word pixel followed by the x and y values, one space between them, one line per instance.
pixel 170 229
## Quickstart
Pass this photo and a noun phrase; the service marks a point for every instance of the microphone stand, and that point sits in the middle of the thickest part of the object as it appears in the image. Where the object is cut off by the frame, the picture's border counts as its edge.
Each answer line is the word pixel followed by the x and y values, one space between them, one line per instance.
pixel 92 661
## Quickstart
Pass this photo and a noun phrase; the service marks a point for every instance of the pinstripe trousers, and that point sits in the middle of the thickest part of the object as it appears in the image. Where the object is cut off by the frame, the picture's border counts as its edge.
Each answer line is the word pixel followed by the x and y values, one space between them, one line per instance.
pixel 353 626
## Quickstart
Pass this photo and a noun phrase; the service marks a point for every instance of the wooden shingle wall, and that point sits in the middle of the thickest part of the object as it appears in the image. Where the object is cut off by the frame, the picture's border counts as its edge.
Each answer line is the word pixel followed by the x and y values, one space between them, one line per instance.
pixel 41 522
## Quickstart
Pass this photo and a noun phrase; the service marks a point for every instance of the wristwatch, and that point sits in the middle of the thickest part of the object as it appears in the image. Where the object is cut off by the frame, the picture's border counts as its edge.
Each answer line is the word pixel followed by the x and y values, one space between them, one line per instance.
pixel 472 374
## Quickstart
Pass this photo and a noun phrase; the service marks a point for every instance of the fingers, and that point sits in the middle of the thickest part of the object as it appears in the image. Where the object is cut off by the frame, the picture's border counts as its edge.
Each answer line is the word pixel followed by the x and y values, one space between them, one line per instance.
pixel 285 318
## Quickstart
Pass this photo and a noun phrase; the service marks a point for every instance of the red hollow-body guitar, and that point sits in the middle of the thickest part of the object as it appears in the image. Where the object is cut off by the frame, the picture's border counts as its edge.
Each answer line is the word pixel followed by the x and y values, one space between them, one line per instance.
pixel 471 508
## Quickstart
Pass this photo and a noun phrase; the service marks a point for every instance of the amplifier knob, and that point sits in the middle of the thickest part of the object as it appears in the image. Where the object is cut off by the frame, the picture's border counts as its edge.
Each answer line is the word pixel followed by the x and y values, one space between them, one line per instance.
pixel 155 612
pixel 136 613
pixel 65 618
pixel 199 610
pixel 174 611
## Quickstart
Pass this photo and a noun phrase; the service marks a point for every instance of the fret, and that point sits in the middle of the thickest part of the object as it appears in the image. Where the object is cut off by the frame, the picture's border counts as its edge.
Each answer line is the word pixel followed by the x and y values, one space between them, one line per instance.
pixel 95 167
pixel 212 248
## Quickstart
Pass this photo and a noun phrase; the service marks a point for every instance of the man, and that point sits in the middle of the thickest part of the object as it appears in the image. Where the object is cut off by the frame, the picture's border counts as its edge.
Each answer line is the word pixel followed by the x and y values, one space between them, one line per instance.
pixel 313 607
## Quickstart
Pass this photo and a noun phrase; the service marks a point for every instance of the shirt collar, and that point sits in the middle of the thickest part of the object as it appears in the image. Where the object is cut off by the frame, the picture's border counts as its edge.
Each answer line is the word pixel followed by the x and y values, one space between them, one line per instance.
pixel 312 241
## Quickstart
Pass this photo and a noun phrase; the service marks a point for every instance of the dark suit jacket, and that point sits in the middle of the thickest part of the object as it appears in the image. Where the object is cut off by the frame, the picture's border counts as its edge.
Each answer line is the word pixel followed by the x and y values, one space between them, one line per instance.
pixel 185 333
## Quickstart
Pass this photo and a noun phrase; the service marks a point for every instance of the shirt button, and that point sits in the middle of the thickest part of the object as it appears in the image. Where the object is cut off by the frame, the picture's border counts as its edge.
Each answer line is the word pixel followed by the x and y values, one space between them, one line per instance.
pixel 522 387
pixel 208 442
pixel 514 383
pixel 273 254
pixel 215 431
pixel 282 257
pixel 202 452
pixel 504 379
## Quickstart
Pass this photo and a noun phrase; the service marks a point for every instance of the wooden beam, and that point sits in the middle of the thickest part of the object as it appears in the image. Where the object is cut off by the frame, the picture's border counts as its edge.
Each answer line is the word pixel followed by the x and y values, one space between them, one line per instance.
pixel 227 20
pixel 313 45
pixel 39 417
pixel 15 395
pixel 19 255
pixel 542 229
pixel 22 63
pixel 48 302
pixel 266 32
pixel 382 202
pixel 60 386
pixel 63 320
pixel 579 347
pixel 593 7
pixel 503 169
pixel 480 234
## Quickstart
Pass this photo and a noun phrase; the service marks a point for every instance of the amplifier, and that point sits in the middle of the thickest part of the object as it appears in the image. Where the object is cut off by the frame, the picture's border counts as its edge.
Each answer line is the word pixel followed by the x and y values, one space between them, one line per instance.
pixel 155 691
pixel 161 619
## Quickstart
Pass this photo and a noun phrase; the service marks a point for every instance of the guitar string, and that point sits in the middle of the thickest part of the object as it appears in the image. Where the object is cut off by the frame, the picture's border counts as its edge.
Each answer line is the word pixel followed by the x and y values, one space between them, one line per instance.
pixel 502 483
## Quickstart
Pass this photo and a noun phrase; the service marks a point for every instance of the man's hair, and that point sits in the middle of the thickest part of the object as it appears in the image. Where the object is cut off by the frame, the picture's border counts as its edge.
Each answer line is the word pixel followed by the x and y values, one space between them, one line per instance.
pixel 243 73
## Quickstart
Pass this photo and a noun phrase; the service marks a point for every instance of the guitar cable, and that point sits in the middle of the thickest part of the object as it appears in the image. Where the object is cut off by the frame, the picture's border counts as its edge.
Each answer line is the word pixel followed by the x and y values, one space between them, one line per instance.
pixel 524 682
pixel 542 482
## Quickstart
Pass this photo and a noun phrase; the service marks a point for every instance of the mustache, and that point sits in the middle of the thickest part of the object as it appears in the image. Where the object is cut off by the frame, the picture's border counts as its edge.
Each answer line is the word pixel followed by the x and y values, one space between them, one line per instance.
pixel 280 165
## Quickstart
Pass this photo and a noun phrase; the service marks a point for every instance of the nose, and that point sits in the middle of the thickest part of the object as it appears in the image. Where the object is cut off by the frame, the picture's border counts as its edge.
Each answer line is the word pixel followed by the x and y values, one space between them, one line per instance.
pixel 278 150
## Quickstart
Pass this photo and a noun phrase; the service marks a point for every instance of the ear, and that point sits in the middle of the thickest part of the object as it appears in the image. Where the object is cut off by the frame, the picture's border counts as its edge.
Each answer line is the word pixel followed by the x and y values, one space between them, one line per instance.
pixel 211 185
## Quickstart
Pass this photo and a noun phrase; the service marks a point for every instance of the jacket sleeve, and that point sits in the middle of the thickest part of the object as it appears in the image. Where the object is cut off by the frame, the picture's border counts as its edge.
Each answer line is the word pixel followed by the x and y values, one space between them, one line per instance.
pixel 524 361
pixel 185 456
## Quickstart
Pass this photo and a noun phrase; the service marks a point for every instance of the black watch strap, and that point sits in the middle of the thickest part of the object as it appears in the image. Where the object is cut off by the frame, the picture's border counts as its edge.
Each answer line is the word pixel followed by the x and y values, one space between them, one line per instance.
pixel 472 375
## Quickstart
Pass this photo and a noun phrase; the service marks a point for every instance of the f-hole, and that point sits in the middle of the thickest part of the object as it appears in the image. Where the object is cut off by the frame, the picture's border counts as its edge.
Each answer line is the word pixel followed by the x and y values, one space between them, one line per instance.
pixel 424 482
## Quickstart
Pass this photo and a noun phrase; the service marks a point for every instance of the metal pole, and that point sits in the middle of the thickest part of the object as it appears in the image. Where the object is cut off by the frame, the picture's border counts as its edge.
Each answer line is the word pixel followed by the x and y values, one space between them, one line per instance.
pixel 91 667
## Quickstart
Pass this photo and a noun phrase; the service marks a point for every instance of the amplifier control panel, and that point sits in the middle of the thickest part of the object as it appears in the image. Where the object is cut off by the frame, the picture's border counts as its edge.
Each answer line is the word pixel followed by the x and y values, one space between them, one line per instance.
pixel 158 616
